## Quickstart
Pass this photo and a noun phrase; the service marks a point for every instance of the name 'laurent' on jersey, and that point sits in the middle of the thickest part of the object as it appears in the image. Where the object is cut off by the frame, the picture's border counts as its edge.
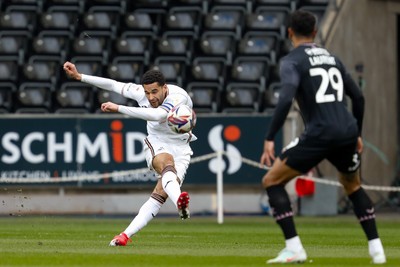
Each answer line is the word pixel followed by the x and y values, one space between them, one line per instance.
pixel 319 56
pixel 321 60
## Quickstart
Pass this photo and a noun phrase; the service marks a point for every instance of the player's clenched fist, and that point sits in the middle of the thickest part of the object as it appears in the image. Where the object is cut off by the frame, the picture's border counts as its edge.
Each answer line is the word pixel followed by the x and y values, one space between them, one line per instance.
pixel 109 107
pixel 71 71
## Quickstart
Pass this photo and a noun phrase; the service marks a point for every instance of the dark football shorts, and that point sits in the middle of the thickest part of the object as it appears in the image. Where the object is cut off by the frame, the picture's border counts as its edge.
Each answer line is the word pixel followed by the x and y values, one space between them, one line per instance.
pixel 305 153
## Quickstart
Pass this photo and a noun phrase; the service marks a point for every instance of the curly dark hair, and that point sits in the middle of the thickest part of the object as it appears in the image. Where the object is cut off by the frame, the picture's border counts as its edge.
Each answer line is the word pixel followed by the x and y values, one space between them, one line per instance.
pixel 152 76
pixel 302 22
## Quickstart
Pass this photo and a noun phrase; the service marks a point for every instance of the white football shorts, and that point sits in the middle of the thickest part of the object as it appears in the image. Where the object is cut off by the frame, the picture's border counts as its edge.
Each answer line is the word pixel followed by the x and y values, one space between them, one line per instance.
pixel 180 151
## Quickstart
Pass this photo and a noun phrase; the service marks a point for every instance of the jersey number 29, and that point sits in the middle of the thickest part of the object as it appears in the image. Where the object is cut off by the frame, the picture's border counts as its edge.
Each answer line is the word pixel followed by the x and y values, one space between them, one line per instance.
pixel 329 78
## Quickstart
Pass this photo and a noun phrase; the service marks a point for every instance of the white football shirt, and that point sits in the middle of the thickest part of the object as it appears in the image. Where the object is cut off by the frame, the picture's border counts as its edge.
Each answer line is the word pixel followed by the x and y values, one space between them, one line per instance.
pixel 156 117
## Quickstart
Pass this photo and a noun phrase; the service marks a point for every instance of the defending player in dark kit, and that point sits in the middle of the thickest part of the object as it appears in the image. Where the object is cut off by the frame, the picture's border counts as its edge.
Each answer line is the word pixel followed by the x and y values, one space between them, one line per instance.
pixel 319 82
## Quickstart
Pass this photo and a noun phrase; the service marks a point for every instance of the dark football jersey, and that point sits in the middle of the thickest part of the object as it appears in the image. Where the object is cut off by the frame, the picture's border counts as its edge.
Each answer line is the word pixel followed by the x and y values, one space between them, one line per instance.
pixel 319 82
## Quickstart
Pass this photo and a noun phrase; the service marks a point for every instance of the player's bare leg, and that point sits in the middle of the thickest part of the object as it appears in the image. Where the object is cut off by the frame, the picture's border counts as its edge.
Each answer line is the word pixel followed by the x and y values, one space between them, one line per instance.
pixel 164 164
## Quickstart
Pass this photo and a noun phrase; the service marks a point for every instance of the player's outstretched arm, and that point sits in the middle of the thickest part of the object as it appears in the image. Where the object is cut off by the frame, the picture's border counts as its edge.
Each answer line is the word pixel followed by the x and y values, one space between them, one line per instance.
pixel 148 114
pixel 128 90
pixel 100 82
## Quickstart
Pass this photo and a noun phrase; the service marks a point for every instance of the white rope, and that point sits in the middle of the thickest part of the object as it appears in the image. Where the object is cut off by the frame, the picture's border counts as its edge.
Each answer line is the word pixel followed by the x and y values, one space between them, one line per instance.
pixel 96 177
pixel 90 177
pixel 323 181
pixel 204 157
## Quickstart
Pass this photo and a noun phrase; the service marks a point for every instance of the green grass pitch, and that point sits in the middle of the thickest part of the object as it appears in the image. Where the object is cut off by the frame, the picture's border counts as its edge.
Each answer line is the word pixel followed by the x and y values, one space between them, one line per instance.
pixel 200 241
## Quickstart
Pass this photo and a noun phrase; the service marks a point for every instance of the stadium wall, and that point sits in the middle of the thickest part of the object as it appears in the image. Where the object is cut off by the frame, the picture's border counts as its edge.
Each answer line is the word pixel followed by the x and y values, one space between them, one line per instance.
pixel 72 167
pixel 364 37
pixel 364 32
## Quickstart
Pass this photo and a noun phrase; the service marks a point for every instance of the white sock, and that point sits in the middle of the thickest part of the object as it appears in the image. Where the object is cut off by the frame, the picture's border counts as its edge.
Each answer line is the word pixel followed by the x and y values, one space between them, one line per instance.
pixel 171 186
pixel 375 246
pixel 294 244
pixel 146 213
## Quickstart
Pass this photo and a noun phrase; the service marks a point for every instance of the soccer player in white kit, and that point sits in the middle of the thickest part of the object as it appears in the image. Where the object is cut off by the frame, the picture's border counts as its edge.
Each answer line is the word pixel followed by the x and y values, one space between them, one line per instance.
pixel 167 153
